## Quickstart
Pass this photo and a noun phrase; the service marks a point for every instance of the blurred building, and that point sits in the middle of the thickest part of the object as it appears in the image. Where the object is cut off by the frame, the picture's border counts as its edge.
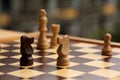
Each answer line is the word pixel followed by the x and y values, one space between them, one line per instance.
pixel 86 18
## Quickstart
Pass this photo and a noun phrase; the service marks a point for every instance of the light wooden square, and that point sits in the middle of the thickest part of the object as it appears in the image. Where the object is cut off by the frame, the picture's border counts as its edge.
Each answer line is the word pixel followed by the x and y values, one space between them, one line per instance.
pixel 87 50
pixel 1 64
pixel 93 56
pixel 71 64
pixel 84 45
pixel 67 73
pixel 117 56
pixel 106 73
pixel 16 50
pixel 54 56
pixel 99 64
pixel 16 45
pixel 25 73
pixel 117 50
pixel 3 51
pixel 115 78
pixel 2 57
pixel 1 73
pixel 4 45
pixel 25 79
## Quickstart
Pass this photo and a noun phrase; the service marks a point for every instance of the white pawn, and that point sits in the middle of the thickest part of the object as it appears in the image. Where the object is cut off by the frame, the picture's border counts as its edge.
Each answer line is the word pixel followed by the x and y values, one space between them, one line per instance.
pixel 107 50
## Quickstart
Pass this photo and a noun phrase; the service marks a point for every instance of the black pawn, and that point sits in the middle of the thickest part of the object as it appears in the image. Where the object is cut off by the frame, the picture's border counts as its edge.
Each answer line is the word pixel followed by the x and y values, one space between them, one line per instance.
pixel 26 51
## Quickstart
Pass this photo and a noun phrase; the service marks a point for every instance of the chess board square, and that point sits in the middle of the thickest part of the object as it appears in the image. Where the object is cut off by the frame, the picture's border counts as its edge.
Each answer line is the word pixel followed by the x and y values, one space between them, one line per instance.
pixel 71 64
pixel 49 39
pixel 2 64
pixel 18 65
pixel 16 50
pixel 116 56
pixel 50 77
pixel 80 60
pixel 117 50
pixel 87 50
pixel 36 50
pixel 93 56
pixel 73 47
pixel 8 77
pixel 68 79
pixel 8 54
pixel 1 73
pixel 25 73
pixel 67 73
pixel 116 78
pixel 16 45
pixel 34 45
pixel 45 68
pixel 35 40
pixel 50 50
pixel 84 45
pixel 99 64
pixel 76 54
pixel 9 68
pixel 2 57
pixel 10 48
pixel 26 79
pixel 111 59
pixel 115 67
pixel 90 77
pixel 3 50
pixel 4 45
pixel 106 73
pixel 98 47
pixel 54 56
pixel 84 68
pixel 8 60
pixel 19 56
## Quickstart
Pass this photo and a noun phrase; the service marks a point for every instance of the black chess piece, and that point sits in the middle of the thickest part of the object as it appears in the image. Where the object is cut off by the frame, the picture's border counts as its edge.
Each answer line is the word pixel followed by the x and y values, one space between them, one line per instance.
pixel 26 51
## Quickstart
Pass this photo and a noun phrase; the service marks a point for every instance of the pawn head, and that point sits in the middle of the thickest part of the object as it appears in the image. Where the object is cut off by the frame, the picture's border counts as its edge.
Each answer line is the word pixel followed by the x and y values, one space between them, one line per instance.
pixel 107 37
pixel 42 12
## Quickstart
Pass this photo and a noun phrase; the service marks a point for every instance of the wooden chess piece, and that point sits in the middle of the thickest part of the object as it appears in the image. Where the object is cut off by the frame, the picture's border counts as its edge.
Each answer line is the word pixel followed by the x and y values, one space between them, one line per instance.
pixel 55 30
pixel 63 52
pixel 42 40
pixel 107 50
pixel 26 51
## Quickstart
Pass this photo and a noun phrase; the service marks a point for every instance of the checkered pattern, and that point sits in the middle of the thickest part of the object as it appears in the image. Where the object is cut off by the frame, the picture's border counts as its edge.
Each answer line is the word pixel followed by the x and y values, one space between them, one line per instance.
pixel 86 63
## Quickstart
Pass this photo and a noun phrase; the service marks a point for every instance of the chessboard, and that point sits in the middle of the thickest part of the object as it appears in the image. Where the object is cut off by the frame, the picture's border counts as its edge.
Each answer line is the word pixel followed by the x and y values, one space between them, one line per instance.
pixel 86 63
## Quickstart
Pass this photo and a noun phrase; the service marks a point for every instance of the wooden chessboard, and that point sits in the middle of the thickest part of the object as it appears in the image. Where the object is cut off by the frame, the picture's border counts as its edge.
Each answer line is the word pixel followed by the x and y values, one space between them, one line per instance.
pixel 86 63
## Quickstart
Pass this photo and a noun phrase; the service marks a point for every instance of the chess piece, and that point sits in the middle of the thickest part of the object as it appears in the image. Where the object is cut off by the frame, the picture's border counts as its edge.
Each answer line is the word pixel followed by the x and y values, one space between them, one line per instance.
pixel 63 52
pixel 26 51
pixel 42 40
pixel 107 50
pixel 55 30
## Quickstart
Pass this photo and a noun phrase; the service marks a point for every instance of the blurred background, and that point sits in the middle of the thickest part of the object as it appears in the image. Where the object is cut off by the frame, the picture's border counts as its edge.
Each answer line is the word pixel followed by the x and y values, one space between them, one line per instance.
pixel 82 18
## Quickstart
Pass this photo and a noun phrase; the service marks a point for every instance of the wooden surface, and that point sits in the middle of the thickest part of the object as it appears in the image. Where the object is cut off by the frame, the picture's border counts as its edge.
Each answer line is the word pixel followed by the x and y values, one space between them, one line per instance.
pixel 8 35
